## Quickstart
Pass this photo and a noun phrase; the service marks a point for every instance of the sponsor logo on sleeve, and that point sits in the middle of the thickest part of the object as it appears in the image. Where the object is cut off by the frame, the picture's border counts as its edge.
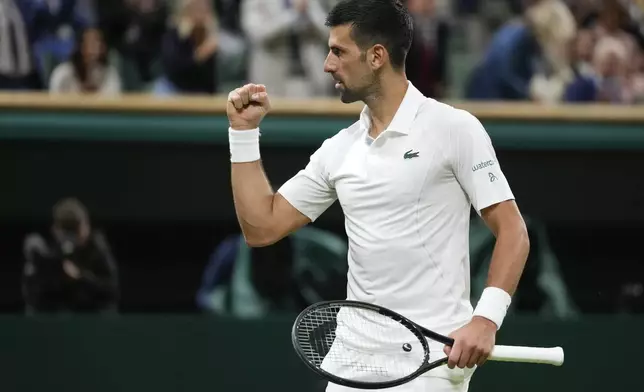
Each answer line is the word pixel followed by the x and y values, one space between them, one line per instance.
pixel 482 165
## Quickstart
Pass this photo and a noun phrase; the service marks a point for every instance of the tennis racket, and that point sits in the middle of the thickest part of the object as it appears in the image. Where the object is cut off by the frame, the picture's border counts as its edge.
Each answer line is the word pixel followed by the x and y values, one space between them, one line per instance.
pixel 366 346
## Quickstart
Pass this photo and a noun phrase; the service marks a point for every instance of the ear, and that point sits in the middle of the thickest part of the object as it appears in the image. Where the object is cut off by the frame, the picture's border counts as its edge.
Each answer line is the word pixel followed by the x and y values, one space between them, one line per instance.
pixel 377 57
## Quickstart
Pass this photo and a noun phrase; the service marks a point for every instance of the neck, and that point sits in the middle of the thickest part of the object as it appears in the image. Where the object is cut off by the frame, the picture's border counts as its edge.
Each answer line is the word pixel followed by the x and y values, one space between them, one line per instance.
pixel 384 103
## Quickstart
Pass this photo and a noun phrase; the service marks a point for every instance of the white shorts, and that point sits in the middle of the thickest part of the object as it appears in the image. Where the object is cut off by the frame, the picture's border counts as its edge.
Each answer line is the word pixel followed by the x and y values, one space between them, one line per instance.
pixel 441 379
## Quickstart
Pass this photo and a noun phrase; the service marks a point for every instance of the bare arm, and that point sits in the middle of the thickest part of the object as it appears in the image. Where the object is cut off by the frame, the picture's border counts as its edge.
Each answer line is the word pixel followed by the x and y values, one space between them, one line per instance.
pixel 512 245
pixel 474 341
pixel 264 216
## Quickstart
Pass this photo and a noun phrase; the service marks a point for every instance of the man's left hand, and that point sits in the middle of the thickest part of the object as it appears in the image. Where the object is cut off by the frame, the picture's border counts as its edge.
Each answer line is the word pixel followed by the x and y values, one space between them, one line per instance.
pixel 473 343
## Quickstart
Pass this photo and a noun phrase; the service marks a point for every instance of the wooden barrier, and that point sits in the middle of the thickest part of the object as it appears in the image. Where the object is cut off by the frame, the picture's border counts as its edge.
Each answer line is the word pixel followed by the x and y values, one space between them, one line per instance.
pixel 216 105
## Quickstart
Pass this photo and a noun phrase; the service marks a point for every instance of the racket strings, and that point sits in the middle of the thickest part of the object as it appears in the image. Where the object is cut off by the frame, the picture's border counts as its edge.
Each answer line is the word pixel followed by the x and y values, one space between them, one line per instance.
pixel 359 344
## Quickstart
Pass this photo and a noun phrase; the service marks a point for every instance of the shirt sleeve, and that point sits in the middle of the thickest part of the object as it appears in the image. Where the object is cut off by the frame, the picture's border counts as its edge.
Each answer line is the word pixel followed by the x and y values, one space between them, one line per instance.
pixel 310 191
pixel 475 164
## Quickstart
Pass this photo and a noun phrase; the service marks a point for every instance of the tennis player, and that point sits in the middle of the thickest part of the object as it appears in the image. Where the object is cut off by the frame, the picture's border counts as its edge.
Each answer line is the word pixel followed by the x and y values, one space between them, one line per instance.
pixel 406 174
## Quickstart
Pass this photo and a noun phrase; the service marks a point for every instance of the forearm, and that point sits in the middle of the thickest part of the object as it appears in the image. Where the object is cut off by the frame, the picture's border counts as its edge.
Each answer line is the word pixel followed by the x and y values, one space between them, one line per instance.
pixel 264 216
pixel 253 197
pixel 508 259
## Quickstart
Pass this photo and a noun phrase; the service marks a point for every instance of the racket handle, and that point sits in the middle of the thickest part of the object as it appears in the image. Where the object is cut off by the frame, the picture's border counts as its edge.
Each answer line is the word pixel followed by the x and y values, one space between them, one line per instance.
pixel 546 355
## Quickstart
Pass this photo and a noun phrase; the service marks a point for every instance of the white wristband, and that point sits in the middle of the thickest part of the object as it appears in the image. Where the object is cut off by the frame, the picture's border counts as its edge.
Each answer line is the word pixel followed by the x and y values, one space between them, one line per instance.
pixel 493 305
pixel 244 145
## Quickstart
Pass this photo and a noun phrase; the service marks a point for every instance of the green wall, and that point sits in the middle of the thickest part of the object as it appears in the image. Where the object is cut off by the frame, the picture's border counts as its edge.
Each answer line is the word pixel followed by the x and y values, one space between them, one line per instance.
pixel 292 130
pixel 166 353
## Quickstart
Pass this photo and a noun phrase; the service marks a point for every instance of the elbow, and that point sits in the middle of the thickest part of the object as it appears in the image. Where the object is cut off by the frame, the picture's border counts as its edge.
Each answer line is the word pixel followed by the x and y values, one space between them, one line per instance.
pixel 260 238
pixel 257 242
pixel 523 239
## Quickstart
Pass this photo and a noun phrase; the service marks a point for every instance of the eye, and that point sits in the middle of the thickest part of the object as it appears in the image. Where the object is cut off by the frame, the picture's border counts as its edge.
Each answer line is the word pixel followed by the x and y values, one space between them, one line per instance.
pixel 335 51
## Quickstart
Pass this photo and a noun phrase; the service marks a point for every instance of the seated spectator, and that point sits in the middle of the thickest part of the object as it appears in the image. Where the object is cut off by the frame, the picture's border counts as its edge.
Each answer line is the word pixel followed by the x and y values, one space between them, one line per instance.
pixel 636 77
pixel 189 51
pixel 60 21
pixel 135 28
pixel 88 70
pixel 612 20
pixel 534 45
pixel 582 53
pixel 426 64
pixel 72 270
pixel 607 81
pixel 20 26
pixel 288 46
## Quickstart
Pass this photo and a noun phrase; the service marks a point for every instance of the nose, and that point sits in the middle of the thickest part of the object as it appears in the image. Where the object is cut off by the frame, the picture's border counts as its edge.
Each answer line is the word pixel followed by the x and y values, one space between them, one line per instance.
pixel 329 66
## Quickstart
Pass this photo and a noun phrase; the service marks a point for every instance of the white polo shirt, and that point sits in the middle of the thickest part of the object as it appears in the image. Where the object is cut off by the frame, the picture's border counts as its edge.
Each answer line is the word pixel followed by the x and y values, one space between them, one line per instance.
pixel 406 198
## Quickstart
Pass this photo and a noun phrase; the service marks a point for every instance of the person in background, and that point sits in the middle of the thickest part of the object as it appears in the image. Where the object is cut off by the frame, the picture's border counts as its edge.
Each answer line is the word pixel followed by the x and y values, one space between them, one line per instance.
pixel 60 21
pixel 613 20
pixel 582 52
pixel 426 64
pixel 306 267
pixel 607 81
pixel 73 270
pixel 135 29
pixel 229 15
pixel 527 58
pixel 88 70
pixel 288 42
pixel 555 29
pixel 189 51
pixel 22 24
pixel 636 77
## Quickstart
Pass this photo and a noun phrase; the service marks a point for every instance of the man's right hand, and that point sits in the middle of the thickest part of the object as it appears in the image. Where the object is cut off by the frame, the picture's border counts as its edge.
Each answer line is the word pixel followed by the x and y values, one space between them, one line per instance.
pixel 247 106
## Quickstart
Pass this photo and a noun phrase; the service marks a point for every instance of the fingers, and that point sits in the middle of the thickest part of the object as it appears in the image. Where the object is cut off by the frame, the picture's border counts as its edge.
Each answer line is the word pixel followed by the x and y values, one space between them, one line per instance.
pixel 244 93
pixel 482 359
pixel 235 99
pixel 473 359
pixel 454 355
pixel 260 98
pixel 465 354
pixel 243 96
pixel 472 354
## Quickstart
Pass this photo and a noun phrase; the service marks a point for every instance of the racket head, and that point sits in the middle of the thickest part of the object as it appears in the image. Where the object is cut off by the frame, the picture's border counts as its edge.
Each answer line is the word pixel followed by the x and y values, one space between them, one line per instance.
pixel 360 345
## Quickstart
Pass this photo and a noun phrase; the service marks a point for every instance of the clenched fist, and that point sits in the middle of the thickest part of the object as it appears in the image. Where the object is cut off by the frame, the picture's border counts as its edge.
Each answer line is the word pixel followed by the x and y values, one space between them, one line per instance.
pixel 247 106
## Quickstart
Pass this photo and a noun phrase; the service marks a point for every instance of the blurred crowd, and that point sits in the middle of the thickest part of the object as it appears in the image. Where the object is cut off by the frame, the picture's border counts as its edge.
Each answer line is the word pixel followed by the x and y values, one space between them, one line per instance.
pixel 539 50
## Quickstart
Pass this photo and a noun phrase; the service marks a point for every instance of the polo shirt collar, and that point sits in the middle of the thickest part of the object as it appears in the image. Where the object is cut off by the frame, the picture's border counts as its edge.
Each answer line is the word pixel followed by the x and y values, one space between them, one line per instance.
pixel 405 115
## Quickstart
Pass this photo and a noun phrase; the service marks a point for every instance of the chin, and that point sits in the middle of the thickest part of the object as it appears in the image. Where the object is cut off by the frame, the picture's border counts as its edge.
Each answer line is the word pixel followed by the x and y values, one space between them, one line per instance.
pixel 346 97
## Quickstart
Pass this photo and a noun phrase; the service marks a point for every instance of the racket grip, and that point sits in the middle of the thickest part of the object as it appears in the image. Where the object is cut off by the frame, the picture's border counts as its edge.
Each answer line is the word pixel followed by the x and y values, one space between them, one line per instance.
pixel 545 355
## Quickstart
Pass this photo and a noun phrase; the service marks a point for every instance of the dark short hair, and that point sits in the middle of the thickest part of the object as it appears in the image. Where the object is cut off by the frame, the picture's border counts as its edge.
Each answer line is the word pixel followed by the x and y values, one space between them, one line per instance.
pixel 385 22
pixel 69 213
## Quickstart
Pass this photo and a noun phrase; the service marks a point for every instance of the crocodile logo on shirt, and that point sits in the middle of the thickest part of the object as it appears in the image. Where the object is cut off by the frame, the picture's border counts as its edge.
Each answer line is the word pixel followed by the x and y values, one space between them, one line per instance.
pixel 409 154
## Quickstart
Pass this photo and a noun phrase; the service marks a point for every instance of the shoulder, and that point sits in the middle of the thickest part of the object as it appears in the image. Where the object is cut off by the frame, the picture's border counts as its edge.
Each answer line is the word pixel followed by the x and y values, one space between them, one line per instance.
pixel 340 141
pixel 448 121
